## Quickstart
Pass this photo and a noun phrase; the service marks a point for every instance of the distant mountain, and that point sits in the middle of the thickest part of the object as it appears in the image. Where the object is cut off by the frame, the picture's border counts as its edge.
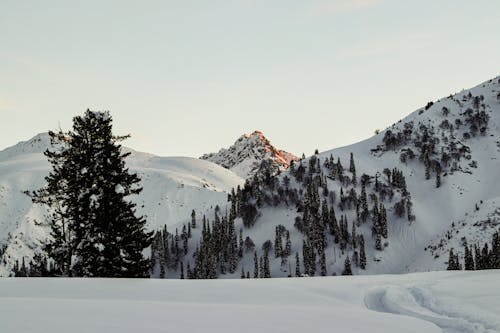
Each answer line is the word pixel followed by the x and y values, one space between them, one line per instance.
pixel 246 155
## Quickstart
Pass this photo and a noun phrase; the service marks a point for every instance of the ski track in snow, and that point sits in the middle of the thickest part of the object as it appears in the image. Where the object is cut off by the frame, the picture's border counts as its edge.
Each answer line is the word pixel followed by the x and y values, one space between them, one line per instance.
pixel 450 314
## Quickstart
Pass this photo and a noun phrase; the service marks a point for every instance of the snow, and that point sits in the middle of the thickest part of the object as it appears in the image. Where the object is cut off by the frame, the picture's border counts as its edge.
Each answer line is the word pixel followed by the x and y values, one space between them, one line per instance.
pixel 247 153
pixel 435 208
pixel 173 186
pixel 451 302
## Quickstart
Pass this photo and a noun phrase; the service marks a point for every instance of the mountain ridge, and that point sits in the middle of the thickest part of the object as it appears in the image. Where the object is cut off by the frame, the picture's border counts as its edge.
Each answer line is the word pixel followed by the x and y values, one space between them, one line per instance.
pixel 247 153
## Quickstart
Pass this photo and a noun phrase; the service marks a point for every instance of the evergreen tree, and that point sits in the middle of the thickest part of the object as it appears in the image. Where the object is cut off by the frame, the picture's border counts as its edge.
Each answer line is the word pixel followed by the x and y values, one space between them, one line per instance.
pixel 182 270
pixel 352 169
pixel 427 163
pixel 453 263
pixel 362 254
pixel 255 266
pixel 95 230
pixel 193 219
pixel 288 244
pixel 347 267
pixel 267 268
pixel 378 242
pixel 438 176
pixel 323 263
pixel 297 265
pixel 468 258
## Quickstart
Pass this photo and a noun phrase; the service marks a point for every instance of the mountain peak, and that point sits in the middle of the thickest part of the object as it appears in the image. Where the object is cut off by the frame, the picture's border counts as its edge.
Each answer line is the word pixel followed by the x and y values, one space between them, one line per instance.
pixel 247 153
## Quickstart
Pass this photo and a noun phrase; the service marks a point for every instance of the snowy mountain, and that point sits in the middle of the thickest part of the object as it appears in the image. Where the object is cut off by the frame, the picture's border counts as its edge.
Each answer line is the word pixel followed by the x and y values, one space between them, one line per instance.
pixel 173 186
pixel 430 178
pixel 394 203
pixel 246 155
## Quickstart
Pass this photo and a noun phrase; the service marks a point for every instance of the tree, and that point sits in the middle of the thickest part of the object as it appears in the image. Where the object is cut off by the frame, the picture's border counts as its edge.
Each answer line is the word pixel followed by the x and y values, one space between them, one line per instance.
pixel 362 253
pixel 297 264
pixel 352 169
pixel 347 267
pixel 255 266
pixel 193 219
pixel 94 227
pixel 453 263
pixel 468 258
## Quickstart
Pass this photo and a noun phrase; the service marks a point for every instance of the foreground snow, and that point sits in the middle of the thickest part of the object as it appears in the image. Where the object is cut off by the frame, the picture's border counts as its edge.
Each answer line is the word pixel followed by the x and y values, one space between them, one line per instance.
pixel 422 302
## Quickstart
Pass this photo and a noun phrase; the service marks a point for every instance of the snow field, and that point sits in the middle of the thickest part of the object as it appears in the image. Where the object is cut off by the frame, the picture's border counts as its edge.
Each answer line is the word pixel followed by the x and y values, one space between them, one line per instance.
pixel 420 302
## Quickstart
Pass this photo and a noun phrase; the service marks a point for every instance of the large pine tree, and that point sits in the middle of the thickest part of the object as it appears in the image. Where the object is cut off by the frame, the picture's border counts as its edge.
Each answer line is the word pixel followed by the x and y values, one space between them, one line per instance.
pixel 95 230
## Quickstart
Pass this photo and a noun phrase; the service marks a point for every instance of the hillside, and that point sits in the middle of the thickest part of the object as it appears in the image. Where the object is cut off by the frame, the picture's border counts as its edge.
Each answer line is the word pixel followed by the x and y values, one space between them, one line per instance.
pixel 420 175
pixel 394 203
pixel 245 156
pixel 173 186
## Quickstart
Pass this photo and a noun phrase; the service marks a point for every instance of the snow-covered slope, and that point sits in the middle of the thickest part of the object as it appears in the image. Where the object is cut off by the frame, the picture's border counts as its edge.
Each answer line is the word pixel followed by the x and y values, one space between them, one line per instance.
pixel 448 154
pixel 173 186
pixel 247 153
pixel 450 302
pixel 457 139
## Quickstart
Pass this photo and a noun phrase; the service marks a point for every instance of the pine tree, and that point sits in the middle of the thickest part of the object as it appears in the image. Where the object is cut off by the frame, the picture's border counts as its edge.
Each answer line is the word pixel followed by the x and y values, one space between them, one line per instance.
pixel 288 244
pixel 362 253
pixel 323 263
pixel 378 242
pixel 277 243
pixel 241 244
pixel 267 269
pixel 438 176
pixel 297 265
pixel 182 270
pixel 468 258
pixel 193 219
pixel 255 266
pixel 347 267
pixel 352 169
pixel 427 164
pixel 95 229
pixel 453 263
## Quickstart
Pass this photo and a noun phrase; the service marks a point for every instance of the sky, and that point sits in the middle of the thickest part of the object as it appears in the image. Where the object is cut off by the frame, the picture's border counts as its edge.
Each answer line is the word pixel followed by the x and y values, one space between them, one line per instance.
pixel 189 77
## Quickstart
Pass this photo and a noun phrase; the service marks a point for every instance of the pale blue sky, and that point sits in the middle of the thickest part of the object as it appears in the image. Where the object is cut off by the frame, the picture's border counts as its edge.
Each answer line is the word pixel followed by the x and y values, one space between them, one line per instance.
pixel 188 77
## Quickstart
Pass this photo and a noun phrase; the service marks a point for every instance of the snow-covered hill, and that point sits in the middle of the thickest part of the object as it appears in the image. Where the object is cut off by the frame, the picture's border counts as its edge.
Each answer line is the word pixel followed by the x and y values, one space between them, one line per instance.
pixel 450 302
pixel 173 186
pixel 246 155
pixel 426 171
pixel 412 192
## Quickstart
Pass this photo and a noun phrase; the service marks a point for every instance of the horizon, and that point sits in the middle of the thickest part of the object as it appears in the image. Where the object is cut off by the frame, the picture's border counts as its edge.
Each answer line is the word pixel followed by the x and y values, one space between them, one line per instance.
pixel 310 76
pixel 230 143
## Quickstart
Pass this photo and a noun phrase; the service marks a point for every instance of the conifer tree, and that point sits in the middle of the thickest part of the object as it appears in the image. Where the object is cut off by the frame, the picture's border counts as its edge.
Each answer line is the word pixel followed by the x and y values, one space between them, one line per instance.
pixel 255 266
pixel 378 242
pixel 297 265
pixel 95 230
pixel 323 263
pixel 193 219
pixel 347 267
pixel 427 163
pixel 468 258
pixel 267 268
pixel 453 263
pixel 362 253
pixel 352 169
